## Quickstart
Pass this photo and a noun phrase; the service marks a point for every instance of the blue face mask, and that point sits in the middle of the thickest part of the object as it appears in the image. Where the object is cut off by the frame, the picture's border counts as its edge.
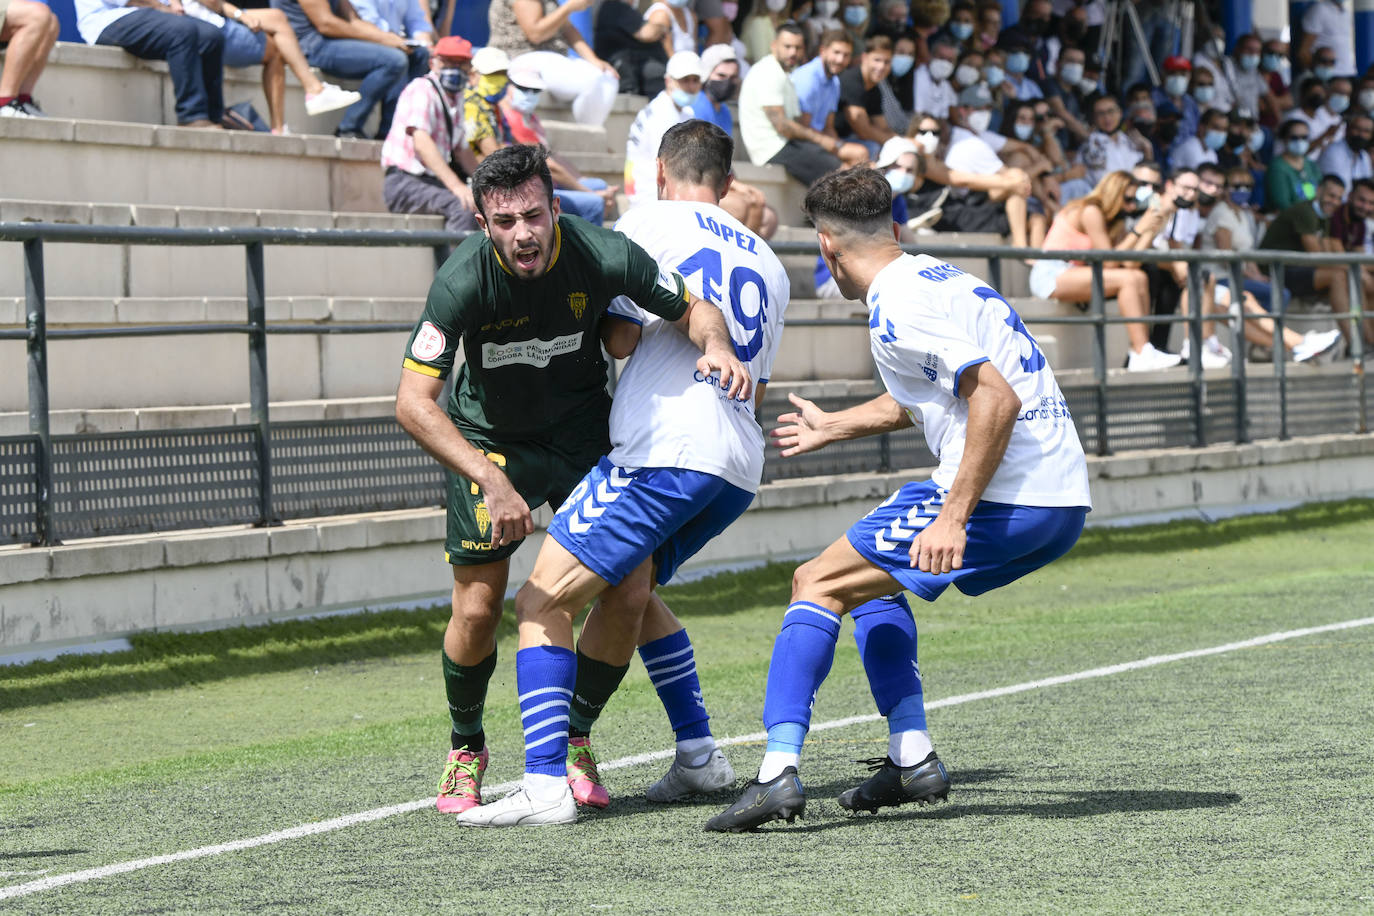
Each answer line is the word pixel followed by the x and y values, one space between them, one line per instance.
pixel 1271 62
pixel 1323 73
pixel 1248 62
pixel 855 15
pixel 1299 147
pixel 451 79
pixel 683 98
pixel 961 30
pixel 1018 62
pixel 994 75
pixel 902 64
pixel 1024 131
pixel 1205 94
pixel 1214 139
pixel 1257 140
pixel 1241 197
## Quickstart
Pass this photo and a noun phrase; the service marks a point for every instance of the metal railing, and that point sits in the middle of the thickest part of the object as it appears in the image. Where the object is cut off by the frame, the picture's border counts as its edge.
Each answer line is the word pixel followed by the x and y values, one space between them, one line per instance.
pixel 241 460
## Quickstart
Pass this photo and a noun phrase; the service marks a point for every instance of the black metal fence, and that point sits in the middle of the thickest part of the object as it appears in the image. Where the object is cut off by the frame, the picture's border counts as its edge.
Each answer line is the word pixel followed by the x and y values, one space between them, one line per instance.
pixel 89 484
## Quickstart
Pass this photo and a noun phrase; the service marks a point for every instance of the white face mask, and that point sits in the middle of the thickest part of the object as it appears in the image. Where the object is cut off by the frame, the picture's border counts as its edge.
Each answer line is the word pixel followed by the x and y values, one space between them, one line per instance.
pixel 523 100
pixel 901 181
pixel 927 140
pixel 775 6
pixel 826 9
pixel 1071 73
pixel 978 121
pixel 966 75
pixel 940 69
pixel 1367 99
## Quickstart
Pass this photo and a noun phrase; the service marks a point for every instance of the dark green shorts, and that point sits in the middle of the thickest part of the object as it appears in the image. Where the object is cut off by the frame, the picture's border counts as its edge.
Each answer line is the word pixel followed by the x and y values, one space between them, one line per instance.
pixel 542 471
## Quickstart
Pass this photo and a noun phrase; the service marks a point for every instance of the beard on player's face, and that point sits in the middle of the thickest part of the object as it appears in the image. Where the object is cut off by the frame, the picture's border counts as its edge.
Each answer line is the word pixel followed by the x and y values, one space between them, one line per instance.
pixel 520 223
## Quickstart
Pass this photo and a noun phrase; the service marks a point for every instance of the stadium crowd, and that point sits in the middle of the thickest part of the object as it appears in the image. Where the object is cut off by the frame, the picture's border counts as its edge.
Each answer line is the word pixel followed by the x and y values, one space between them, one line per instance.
pixel 1019 130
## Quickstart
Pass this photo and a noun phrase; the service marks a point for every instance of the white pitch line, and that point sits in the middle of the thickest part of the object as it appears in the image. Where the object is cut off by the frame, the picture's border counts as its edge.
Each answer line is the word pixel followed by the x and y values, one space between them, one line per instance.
pixel 376 814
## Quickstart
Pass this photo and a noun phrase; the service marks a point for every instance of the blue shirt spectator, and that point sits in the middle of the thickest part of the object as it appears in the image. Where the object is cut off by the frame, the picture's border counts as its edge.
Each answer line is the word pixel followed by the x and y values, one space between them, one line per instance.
pixel 406 18
pixel 707 110
pixel 818 91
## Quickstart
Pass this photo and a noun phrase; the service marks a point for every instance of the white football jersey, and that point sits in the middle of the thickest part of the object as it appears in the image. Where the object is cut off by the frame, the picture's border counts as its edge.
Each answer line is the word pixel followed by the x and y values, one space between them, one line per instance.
pixel 666 414
pixel 928 322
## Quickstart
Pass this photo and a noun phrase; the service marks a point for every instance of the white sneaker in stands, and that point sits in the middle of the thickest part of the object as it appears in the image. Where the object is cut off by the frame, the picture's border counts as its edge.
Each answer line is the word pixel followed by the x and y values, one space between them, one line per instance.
pixel 1148 359
pixel 1316 343
pixel 330 98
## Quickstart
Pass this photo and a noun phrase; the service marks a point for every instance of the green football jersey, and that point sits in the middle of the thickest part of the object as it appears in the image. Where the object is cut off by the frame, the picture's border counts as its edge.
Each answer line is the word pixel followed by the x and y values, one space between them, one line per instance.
pixel 532 355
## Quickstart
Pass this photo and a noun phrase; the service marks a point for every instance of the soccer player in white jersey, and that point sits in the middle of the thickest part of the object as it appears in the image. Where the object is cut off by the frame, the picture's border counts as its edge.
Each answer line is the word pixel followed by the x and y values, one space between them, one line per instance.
pixel 686 460
pixel 1009 496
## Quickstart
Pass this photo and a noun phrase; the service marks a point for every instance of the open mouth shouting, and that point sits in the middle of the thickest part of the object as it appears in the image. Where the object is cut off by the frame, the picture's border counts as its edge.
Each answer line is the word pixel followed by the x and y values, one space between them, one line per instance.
pixel 527 257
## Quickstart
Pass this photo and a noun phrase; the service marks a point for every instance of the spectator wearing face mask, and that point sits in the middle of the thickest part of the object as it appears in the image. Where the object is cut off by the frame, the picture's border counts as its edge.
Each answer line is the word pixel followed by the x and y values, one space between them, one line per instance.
pixel 855 16
pixel 1348 157
pixel 817 85
pixel 960 26
pixel 1239 81
pixel 671 106
pixel 1008 188
pixel 1364 94
pixel 1020 84
pixel 425 148
pixel 486 129
pixel 989 16
pixel 859 118
pixel 1065 95
pixel 934 91
pixel 1202 147
pixel 1291 176
pixel 538 34
pixel 899 89
pixel 824 18
pixel 1314 110
pixel 890 19
pixel 1111 147
pixel 1177 77
pixel 1244 141
pixel 1326 27
pixel 577 194
pixel 1278 74
pixel 1032 33
pixel 1038 133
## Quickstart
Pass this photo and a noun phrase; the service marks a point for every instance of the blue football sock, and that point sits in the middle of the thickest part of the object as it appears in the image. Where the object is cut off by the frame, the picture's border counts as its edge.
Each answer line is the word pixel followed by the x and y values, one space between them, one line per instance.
pixel 886 634
pixel 672 668
pixel 802 656
pixel 544 677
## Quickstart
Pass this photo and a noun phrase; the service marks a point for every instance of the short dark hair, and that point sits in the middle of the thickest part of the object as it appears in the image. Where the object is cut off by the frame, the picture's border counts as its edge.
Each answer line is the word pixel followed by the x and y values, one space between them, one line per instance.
pixel 1213 169
pixel 1365 183
pixel 855 201
pixel 878 43
pixel 1332 178
pixel 1286 127
pixel 830 36
pixel 697 152
pixel 507 169
pixel 1179 172
pixel 1149 165
pixel 791 28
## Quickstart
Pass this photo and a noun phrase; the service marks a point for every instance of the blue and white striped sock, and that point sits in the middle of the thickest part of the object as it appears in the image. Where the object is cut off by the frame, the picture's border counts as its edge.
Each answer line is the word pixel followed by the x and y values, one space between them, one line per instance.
pixel 802 656
pixel 544 677
pixel 672 668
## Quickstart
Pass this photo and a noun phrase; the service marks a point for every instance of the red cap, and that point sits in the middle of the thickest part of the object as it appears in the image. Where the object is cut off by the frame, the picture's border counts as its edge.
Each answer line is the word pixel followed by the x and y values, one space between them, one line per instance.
pixel 453 47
pixel 1177 62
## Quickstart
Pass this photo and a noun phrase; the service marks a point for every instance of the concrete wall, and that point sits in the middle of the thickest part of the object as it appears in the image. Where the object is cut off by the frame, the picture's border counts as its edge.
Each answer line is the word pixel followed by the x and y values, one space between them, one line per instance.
pixel 102 589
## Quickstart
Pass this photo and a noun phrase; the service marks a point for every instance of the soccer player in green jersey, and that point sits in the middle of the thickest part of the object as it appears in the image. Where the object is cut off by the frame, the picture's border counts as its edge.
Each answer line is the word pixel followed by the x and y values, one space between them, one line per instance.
pixel 529 411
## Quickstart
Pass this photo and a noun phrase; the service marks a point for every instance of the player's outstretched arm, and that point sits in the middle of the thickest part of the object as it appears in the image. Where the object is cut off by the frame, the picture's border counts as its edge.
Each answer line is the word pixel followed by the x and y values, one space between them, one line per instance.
pixel 425 420
pixel 810 428
pixel 992 410
pixel 705 326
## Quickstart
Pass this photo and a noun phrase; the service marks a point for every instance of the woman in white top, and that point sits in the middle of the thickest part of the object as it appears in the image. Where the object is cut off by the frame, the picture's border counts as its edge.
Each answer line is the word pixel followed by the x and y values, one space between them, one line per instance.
pixel 678 24
pixel 1231 227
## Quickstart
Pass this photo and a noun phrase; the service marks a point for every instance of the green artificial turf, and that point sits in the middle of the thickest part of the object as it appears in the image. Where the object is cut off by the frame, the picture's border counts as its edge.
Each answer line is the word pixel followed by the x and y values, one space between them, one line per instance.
pixel 1241 782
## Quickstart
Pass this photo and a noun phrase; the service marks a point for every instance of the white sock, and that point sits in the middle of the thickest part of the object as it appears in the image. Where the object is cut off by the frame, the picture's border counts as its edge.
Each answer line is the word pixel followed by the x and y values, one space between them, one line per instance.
pixel 543 787
pixel 693 752
pixel 774 762
pixel 909 748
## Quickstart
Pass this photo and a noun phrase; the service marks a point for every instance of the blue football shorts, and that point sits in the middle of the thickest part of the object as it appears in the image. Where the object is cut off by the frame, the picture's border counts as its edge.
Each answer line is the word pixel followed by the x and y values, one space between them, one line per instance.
pixel 617 517
pixel 1004 542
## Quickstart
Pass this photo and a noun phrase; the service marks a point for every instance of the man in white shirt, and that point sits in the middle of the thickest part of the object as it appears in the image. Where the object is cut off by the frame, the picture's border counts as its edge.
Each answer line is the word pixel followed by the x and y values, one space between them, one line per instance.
pixel 685 462
pixel 153 30
pixel 970 154
pixel 672 106
pixel 1211 136
pixel 1010 494
pixel 1326 24
pixel 934 92
pixel 1348 157
pixel 768 114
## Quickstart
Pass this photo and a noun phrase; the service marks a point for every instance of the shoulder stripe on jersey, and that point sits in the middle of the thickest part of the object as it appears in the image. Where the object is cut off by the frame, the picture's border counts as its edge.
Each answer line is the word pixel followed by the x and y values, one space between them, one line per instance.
pixel 421 368
pixel 959 373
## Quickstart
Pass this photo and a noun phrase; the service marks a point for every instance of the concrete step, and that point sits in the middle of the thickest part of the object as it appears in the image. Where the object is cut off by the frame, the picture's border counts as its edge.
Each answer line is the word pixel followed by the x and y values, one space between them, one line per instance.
pixel 105 83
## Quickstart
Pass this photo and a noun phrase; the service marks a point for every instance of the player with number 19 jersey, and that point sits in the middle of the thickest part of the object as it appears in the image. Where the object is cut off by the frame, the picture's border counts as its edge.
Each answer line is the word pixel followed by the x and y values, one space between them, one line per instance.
pixel 928 323
pixel 686 459
pixel 665 414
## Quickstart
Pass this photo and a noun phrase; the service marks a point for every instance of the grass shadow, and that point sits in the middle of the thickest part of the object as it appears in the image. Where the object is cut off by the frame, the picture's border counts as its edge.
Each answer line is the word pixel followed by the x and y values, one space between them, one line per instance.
pixel 40 854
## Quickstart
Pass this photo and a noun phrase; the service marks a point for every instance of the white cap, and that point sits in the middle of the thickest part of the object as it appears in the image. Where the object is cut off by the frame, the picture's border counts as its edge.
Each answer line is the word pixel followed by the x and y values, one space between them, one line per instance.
pixel 714 56
pixel 490 60
pixel 526 77
pixel 893 150
pixel 684 64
